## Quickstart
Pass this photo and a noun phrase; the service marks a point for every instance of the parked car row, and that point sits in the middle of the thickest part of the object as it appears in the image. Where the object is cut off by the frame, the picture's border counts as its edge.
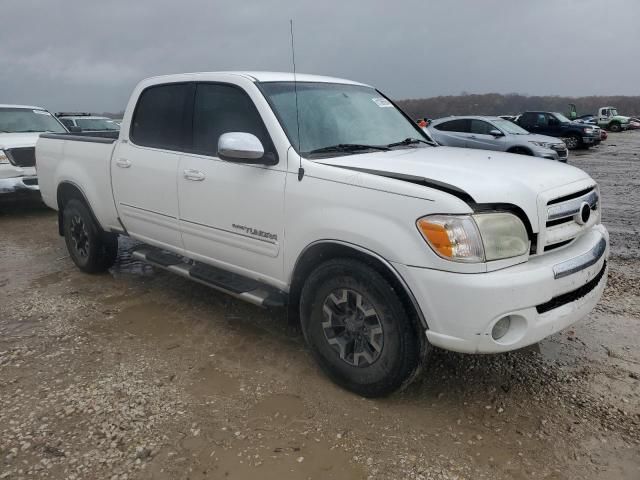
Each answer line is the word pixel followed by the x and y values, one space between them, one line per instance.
pixel 20 127
pixel 537 133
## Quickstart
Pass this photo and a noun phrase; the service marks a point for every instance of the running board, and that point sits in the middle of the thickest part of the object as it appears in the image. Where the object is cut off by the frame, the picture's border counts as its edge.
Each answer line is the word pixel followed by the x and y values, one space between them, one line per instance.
pixel 230 283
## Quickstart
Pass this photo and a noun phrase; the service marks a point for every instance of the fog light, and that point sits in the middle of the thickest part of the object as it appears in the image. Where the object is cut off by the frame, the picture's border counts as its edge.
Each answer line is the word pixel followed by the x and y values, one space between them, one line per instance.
pixel 501 328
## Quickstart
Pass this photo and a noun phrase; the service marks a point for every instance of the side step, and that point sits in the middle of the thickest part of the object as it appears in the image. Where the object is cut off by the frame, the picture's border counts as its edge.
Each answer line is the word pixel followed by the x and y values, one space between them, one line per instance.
pixel 232 284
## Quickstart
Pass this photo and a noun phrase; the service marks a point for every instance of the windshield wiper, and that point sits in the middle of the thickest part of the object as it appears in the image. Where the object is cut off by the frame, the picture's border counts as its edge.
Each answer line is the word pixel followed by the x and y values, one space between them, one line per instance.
pixel 348 148
pixel 409 141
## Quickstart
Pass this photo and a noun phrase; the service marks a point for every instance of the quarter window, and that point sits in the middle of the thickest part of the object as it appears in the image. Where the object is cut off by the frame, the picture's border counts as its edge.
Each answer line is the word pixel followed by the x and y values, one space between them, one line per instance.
pixel 221 109
pixel 158 120
pixel 460 125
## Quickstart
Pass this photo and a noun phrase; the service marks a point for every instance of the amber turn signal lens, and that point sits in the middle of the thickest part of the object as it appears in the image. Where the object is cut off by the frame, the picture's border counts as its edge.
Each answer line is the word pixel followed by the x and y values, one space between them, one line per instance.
pixel 437 236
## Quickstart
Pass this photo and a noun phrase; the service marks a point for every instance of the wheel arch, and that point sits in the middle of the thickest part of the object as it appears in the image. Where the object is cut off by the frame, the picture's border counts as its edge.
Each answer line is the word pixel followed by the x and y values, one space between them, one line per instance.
pixel 321 251
pixel 519 148
pixel 66 192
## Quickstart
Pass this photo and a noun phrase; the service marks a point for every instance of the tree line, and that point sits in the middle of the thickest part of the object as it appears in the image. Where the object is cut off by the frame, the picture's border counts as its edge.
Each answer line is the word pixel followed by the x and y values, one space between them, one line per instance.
pixel 513 103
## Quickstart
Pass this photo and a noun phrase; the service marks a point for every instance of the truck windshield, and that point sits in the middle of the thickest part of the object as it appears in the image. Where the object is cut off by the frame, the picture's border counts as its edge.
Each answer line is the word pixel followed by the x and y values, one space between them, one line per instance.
pixel 334 117
pixel 561 117
pixel 22 120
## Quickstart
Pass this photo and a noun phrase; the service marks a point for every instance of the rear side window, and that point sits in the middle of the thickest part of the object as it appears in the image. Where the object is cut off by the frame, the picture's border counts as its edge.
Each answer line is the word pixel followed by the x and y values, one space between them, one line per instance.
pixel 459 125
pixel 158 120
pixel 528 119
pixel 219 109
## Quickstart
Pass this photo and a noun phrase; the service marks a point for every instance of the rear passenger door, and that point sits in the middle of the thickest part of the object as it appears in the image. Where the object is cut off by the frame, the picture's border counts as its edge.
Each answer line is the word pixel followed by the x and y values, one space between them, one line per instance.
pixel 145 164
pixel 481 138
pixel 231 214
pixel 452 133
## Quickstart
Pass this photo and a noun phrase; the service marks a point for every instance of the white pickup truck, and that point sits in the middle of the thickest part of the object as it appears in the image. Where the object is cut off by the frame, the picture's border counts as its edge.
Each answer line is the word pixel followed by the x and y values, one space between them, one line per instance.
pixel 321 195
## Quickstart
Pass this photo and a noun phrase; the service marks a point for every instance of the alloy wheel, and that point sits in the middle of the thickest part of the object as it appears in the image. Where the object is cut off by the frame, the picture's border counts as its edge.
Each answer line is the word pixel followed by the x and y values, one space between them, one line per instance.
pixel 352 327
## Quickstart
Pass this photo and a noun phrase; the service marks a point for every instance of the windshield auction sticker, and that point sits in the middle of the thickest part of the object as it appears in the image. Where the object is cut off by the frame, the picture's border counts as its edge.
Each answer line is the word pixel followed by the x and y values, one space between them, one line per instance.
pixel 382 102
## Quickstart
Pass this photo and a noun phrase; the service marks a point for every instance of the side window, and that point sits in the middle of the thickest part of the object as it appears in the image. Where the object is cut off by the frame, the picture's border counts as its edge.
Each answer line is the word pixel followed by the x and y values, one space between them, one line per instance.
pixel 461 126
pixel 542 120
pixel 220 109
pixel 528 119
pixel 67 122
pixel 158 120
pixel 481 127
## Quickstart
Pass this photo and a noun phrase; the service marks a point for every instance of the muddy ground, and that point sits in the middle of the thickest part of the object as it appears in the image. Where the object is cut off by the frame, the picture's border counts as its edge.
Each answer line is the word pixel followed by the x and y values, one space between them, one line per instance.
pixel 139 374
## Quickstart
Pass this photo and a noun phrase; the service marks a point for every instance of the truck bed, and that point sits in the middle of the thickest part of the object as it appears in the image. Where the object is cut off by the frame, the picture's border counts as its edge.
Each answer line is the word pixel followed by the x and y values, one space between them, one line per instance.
pixel 81 160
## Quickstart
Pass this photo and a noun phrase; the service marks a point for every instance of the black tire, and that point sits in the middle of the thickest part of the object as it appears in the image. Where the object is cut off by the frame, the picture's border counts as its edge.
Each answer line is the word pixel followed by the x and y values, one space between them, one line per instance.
pixel 397 357
pixel 574 142
pixel 91 249
pixel 615 127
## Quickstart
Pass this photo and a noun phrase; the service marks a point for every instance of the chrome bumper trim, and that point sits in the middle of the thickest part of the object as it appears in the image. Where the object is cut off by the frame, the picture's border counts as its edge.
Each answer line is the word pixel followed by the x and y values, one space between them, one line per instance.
pixel 580 262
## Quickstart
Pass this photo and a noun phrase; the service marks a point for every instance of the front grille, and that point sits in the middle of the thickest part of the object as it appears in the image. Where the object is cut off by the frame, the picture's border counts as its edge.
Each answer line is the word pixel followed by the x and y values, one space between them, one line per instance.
pixel 563 221
pixel 22 157
pixel 573 295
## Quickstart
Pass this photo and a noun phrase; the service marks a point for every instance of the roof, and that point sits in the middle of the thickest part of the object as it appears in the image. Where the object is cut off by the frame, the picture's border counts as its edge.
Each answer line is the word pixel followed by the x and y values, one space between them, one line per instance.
pixel 468 117
pixel 261 77
pixel 29 107
pixel 82 117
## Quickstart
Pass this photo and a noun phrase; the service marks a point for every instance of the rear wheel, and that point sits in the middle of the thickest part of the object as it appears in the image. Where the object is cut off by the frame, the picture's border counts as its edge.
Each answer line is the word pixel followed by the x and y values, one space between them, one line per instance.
pixel 91 249
pixel 358 328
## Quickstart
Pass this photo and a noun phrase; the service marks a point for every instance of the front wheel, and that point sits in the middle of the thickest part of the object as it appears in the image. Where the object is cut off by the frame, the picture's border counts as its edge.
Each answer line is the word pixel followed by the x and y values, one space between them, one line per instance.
pixel 615 127
pixel 573 142
pixel 91 249
pixel 358 328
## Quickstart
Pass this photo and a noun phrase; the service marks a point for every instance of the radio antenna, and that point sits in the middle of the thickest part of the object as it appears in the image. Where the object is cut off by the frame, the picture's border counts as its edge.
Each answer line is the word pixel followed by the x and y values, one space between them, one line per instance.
pixel 295 90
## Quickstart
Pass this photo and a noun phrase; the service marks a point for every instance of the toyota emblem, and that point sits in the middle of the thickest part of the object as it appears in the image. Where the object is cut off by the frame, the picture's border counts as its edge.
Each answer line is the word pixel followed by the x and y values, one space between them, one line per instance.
pixel 583 214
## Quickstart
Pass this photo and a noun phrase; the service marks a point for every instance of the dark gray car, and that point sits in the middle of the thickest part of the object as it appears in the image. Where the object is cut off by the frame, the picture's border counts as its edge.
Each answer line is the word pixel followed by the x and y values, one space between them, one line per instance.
pixel 495 133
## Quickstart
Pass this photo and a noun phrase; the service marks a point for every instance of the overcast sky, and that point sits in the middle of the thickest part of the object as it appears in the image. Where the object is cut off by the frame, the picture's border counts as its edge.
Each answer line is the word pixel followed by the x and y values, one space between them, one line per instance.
pixel 88 55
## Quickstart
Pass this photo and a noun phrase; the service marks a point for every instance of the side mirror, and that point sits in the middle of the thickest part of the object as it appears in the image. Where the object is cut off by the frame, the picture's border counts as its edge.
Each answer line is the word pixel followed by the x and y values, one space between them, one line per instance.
pixel 496 133
pixel 74 129
pixel 554 122
pixel 243 147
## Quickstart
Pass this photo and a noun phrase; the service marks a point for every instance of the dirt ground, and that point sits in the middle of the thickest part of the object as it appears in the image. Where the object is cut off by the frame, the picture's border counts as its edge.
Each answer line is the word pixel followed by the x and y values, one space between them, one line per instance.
pixel 139 374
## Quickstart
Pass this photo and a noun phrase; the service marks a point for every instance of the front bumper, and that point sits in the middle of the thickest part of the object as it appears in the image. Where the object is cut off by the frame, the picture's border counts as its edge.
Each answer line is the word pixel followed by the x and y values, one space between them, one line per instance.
pixel 20 184
pixel 461 309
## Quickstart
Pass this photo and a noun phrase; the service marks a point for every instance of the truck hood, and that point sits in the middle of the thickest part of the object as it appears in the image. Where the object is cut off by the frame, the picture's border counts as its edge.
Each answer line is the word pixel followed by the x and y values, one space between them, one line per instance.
pixel 16 140
pixel 476 176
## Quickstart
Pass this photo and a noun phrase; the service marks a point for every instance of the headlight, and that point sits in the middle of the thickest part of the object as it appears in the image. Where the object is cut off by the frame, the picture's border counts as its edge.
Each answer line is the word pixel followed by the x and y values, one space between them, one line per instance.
pixel 3 157
pixel 542 144
pixel 588 130
pixel 475 238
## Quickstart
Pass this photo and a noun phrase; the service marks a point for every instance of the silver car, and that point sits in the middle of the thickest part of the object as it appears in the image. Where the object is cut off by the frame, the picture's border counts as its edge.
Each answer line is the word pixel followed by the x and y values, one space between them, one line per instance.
pixel 495 133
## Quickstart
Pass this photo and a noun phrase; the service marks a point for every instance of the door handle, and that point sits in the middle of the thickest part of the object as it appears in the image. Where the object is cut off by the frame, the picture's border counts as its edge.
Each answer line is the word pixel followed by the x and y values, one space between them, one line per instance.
pixel 123 163
pixel 193 175
pixel 472 136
